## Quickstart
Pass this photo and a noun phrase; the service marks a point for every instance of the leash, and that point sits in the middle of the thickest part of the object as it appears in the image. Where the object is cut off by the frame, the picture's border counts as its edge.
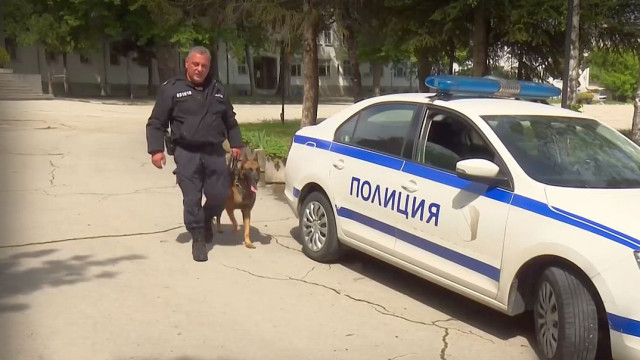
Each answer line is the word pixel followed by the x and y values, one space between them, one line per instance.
pixel 233 169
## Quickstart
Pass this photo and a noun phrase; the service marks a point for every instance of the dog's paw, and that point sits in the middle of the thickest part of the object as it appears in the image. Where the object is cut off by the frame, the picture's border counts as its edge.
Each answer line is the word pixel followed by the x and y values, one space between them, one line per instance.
pixel 249 245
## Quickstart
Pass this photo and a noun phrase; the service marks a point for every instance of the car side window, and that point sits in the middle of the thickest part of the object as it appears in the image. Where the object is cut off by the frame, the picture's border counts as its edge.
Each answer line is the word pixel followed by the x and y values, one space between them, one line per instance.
pixel 451 139
pixel 385 128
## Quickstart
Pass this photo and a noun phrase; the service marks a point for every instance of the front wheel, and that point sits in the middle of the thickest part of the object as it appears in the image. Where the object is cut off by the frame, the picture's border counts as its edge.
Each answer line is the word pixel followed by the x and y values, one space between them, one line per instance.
pixel 318 229
pixel 566 317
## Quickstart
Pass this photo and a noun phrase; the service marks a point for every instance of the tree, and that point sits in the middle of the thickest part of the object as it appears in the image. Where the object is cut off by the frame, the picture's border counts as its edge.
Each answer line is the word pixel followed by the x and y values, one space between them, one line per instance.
pixel 572 55
pixel 346 17
pixel 310 63
pixel 61 27
pixel 616 71
pixel 615 26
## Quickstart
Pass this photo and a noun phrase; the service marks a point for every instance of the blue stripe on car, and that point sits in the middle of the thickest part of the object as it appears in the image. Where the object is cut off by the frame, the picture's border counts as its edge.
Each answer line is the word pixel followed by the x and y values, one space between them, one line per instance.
pixel 424 244
pixel 368 156
pixel 305 140
pixel 624 325
pixel 296 192
pixel 452 180
pixel 457 182
pixel 603 227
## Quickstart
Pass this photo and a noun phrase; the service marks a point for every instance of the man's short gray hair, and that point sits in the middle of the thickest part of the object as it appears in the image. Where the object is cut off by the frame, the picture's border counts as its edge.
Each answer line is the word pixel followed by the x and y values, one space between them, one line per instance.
pixel 200 50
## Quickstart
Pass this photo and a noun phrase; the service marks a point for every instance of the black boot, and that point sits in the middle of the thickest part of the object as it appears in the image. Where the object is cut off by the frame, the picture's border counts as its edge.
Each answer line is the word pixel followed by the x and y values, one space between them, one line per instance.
pixel 208 230
pixel 198 246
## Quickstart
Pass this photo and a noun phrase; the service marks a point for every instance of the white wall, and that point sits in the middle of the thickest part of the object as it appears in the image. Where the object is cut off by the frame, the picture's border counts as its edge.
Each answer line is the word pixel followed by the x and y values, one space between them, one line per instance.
pixel 90 73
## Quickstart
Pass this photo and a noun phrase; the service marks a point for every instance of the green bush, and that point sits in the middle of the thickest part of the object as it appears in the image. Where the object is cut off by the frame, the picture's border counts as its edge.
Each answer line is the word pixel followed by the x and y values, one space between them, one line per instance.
pixel 585 97
pixel 5 59
pixel 273 137
pixel 617 72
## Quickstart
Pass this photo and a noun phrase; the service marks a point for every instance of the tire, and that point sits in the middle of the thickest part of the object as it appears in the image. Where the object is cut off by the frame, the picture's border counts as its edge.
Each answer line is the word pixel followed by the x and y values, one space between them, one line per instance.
pixel 318 229
pixel 565 317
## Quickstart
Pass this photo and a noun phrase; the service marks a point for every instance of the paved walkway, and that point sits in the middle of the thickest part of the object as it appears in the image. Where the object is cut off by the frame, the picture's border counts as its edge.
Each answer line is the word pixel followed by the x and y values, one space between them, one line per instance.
pixel 618 116
pixel 95 264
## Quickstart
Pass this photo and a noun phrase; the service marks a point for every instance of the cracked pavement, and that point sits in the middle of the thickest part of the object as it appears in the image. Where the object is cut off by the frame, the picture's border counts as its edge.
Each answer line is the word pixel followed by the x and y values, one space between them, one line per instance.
pixel 95 264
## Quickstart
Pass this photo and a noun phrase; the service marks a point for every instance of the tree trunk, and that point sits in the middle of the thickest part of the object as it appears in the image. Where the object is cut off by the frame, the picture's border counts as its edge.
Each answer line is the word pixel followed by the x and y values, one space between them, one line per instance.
pixel 129 77
pixel 572 56
pixel 310 64
pixel 280 87
pixel 64 74
pixel 376 73
pixel 288 58
pixel 480 41
pixel 104 83
pixel 215 67
pixel 425 64
pixel 150 91
pixel 635 127
pixel 521 64
pixel 166 58
pixel 452 56
pixel 252 74
pixel 49 75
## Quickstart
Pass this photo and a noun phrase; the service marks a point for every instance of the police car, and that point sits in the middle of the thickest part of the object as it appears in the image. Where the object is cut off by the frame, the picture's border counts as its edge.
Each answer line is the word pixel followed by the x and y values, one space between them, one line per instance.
pixel 486 189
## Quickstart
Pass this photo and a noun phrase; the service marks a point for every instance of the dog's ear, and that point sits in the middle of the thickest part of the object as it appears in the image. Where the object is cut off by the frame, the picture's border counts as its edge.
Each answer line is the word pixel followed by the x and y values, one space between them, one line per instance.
pixel 244 155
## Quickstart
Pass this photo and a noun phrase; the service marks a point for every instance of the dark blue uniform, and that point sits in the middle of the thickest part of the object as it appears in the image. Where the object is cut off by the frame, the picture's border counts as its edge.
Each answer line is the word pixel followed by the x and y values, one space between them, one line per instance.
pixel 201 118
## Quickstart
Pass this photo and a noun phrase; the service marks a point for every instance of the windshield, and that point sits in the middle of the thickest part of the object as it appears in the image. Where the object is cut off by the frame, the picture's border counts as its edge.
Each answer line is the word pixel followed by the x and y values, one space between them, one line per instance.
pixel 573 152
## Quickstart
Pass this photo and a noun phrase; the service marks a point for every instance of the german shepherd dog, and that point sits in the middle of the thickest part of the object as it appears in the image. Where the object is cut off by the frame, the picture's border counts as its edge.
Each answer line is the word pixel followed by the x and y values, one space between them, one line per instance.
pixel 244 186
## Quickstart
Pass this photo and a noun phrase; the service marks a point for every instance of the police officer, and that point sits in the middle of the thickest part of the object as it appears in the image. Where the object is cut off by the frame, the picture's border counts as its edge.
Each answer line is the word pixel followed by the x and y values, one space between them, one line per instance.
pixel 201 118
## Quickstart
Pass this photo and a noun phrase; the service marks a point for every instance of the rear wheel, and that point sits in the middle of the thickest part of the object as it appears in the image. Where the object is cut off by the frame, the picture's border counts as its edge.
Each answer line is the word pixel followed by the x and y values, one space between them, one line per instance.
pixel 565 316
pixel 318 229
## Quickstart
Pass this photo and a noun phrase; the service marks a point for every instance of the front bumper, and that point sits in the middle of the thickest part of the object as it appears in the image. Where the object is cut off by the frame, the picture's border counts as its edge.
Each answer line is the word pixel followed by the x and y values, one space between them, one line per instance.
pixel 292 194
pixel 624 347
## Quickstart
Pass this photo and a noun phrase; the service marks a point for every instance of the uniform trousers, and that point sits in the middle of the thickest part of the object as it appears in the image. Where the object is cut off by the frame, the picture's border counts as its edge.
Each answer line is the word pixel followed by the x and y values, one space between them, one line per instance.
pixel 202 170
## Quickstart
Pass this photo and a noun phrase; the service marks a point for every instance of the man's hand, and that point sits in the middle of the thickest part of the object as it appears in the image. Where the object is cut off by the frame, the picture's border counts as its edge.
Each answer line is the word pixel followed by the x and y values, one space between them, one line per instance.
pixel 236 153
pixel 158 159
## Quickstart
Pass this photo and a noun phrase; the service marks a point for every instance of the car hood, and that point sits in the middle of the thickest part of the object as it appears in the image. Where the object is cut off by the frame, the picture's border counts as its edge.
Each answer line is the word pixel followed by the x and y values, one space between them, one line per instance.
pixel 612 212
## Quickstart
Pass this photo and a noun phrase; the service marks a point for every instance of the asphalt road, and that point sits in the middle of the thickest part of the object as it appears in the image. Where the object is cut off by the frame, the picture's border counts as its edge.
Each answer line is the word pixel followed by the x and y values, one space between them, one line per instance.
pixel 95 264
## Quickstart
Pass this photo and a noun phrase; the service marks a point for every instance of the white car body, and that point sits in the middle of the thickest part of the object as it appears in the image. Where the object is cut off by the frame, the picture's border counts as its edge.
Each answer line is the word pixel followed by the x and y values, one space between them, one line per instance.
pixel 477 241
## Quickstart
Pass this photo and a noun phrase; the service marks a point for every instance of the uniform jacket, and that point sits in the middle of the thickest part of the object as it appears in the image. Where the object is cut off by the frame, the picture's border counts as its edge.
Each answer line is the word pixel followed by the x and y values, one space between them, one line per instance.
pixel 198 115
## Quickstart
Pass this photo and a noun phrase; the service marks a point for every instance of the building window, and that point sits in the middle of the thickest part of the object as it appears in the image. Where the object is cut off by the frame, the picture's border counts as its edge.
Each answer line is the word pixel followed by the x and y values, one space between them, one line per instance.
pixel 324 68
pixel 85 59
pixel 242 69
pixel 296 70
pixel 399 72
pixel 327 38
pixel 346 69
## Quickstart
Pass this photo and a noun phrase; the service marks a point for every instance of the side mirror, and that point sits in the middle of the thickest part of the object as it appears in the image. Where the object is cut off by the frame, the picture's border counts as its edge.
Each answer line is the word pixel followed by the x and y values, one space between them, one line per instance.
pixel 479 170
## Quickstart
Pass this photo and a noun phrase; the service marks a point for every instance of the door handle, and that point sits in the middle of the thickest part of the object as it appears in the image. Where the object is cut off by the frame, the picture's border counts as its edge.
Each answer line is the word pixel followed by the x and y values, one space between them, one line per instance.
pixel 339 164
pixel 410 186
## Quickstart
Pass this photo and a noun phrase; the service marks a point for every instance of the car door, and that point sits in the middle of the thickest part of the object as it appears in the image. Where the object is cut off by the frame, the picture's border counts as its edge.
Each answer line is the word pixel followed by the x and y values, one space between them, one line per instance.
pixel 368 153
pixel 456 227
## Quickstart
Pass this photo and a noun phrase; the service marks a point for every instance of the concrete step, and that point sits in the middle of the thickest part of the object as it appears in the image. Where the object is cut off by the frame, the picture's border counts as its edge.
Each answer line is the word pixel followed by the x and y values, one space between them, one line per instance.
pixel 15 89
pixel 15 97
pixel 11 88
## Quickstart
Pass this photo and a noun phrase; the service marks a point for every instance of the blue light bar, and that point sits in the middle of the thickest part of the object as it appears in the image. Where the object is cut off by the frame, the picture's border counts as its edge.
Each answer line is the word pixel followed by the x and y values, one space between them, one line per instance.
pixel 470 85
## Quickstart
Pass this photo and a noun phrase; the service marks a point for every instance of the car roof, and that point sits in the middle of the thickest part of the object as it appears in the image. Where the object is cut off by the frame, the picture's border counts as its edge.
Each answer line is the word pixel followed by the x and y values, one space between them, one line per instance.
pixel 480 106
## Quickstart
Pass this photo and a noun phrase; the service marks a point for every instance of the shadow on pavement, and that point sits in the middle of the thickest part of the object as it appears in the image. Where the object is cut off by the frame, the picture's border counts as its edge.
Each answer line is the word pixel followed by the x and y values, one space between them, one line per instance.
pixel 434 296
pixel 18 279
pixel 230 238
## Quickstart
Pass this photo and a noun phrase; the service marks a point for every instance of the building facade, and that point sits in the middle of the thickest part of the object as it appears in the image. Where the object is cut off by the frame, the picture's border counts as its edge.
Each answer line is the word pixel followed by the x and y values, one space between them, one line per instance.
pixel 104 73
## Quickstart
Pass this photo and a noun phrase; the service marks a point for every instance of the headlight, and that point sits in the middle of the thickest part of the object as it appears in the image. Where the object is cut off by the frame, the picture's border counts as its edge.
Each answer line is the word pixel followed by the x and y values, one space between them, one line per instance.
pixel 637 256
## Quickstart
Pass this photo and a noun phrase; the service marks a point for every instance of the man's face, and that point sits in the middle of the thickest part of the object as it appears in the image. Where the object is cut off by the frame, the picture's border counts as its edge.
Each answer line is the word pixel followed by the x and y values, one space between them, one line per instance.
pixel 197 66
